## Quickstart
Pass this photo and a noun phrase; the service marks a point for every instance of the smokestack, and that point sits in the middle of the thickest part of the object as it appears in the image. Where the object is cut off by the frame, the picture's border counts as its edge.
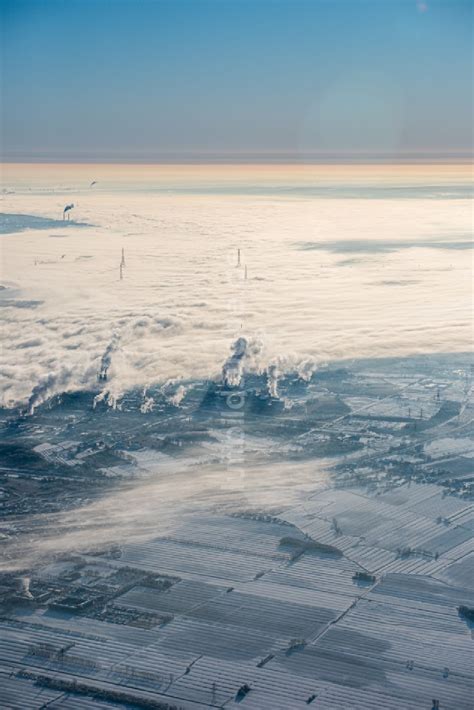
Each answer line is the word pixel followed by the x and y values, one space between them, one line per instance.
pixel 67 209
pixel 123 257
pixel 107 356
pixel 121 271
pixel 23 587
pixel 238 257
pixel 272 381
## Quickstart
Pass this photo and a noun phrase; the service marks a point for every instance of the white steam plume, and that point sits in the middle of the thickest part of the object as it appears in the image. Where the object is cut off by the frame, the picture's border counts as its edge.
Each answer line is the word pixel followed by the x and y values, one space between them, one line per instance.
pixel 244 357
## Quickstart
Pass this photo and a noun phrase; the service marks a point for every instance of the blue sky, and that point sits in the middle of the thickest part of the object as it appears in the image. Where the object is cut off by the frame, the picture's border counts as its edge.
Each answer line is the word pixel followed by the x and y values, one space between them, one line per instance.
pixel 146 79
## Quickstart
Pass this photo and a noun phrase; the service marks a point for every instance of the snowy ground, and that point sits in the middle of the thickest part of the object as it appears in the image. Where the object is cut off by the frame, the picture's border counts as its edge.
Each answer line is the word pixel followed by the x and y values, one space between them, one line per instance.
pixel 242 610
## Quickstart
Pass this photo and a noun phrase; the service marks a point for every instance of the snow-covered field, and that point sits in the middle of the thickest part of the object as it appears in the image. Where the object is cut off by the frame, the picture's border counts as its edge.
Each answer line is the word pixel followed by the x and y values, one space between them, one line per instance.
pixel 450 447
pixel 330 273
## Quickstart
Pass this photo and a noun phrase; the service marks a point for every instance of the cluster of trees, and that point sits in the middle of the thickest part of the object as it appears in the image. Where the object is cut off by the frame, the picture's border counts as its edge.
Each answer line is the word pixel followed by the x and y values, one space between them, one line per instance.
pixel 118 696
pixel 307 544
pixel 466 611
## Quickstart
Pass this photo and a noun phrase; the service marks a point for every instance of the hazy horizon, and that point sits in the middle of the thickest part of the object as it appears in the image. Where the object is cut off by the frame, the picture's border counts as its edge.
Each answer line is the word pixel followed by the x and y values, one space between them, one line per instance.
pixel 275 159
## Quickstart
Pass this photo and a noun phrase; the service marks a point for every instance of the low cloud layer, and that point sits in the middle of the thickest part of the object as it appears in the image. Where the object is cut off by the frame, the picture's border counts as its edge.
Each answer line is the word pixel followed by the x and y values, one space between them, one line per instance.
pixel 184 309
pixel 378 246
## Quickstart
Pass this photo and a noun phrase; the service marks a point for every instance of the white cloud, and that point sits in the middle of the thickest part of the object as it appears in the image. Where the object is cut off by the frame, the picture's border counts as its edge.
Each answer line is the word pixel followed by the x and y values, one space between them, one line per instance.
pixel 182 302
